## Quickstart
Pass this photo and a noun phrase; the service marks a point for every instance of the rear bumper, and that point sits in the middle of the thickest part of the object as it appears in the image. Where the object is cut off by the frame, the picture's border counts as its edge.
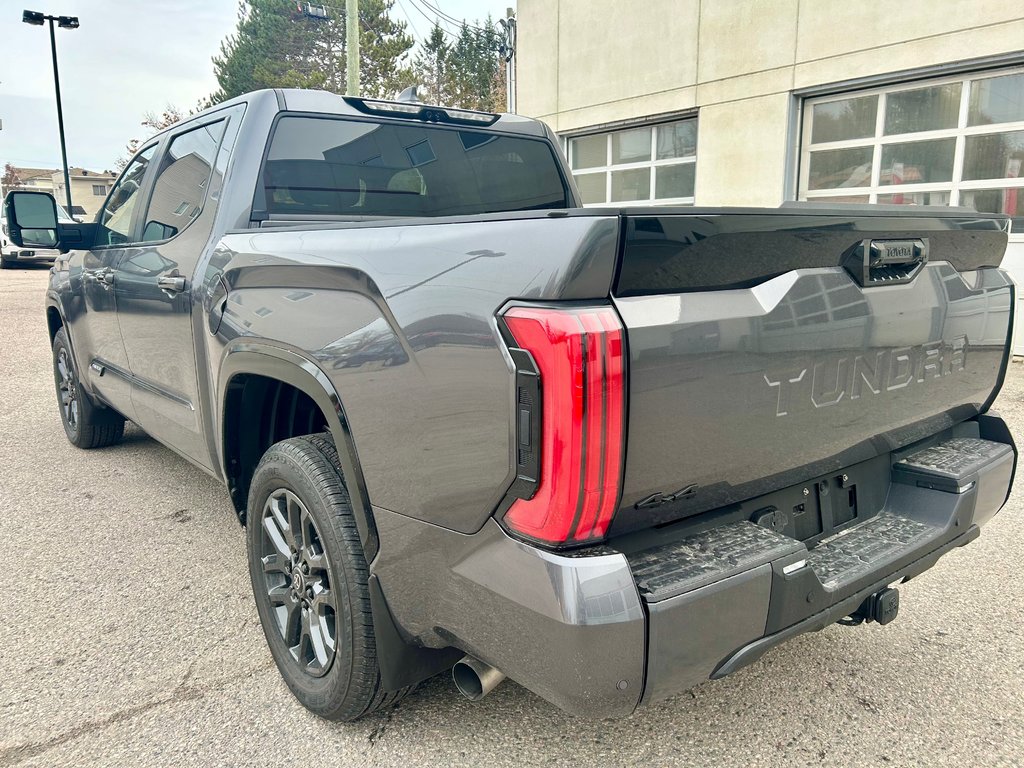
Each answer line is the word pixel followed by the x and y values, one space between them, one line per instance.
pixel 598 635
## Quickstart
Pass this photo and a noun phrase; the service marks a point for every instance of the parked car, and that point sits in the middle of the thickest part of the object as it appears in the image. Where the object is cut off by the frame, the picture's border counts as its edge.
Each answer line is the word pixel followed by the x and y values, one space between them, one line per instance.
pixel 468 424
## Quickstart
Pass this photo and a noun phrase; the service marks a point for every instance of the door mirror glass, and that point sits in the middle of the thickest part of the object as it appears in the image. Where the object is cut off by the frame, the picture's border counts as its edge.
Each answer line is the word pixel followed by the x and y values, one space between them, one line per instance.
pixel 32 219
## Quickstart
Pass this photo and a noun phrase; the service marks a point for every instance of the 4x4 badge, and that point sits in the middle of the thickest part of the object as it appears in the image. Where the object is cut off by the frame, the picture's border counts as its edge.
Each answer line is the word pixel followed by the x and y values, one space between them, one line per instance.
pixel 657 499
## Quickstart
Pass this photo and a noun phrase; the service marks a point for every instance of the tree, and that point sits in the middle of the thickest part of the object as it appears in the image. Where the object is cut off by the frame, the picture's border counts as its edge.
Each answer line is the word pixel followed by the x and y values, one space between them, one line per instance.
pixel 276 46
pixel 384 51
pixel 468 72
pixel 10 179
pixel 271 48
pixel 156 123
pixel 431 66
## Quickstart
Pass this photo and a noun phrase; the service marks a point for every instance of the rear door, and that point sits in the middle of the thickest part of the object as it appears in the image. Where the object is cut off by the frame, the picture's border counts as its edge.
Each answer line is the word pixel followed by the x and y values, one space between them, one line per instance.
pixel 765 349
pixel 154 285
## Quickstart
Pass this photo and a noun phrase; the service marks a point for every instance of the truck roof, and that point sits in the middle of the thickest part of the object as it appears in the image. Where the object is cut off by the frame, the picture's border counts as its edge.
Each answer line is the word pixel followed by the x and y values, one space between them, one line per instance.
pixel 325 102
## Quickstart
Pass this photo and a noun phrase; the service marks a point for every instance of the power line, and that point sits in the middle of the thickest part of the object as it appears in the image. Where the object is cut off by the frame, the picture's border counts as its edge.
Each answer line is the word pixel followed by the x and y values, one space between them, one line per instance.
pixel 451 18
pixel 408 18
pixel 440 19
pixel 444 20
pixel 434 22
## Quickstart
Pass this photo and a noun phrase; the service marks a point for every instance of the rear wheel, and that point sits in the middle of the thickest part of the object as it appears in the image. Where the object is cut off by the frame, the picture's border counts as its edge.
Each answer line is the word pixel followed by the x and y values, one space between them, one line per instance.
pixel 309 579
pixel 86 424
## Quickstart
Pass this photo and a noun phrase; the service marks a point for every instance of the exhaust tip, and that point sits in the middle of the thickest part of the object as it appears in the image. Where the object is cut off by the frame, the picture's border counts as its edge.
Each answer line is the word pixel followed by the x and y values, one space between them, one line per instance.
pixel 468 681
pixel 475 678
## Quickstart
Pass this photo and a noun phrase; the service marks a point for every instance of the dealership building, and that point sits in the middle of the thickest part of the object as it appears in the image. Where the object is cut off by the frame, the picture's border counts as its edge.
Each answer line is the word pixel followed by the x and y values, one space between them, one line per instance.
pixel 757 102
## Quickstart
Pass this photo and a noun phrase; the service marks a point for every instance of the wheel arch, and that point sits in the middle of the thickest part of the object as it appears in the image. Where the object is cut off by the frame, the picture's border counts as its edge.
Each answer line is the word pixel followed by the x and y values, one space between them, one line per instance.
pixel 54 319
pixel 262 363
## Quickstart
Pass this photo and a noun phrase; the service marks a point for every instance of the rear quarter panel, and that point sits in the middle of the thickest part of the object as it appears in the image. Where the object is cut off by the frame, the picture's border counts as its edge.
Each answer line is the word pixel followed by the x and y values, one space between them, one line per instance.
pixel 401 319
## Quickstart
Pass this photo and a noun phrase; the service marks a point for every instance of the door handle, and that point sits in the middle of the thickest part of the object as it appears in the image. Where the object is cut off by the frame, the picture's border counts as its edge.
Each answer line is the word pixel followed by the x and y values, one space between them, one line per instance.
pixel 171 285
pixel 104 277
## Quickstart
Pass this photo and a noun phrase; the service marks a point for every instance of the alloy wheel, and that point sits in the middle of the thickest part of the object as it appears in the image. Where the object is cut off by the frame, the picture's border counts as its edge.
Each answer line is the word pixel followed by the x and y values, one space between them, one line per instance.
pixel 297 581
pixel 67 388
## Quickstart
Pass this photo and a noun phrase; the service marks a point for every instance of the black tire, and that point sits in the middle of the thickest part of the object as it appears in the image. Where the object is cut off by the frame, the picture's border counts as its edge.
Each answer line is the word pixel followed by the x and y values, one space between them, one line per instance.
pixel 86 424
pixel 299 480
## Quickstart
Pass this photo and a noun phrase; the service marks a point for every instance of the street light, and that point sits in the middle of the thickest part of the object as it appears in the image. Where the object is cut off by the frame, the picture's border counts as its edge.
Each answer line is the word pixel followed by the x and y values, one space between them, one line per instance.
pixel 64 22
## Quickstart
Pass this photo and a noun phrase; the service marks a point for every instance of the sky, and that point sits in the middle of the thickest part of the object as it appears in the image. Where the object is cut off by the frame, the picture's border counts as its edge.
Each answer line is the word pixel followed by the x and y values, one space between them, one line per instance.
pixel 129 57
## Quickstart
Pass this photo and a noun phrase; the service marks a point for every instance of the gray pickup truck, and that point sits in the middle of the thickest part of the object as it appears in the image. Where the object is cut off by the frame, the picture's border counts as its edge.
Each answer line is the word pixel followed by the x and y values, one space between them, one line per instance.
pixel 467 424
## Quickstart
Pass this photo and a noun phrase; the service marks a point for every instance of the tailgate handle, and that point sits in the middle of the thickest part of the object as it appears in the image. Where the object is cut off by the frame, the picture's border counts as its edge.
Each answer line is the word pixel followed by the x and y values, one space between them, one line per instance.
pixel 886 262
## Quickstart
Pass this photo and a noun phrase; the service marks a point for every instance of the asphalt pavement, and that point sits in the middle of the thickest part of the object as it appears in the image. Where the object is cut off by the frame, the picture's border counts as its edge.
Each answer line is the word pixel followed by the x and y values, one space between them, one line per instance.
pixel 129 637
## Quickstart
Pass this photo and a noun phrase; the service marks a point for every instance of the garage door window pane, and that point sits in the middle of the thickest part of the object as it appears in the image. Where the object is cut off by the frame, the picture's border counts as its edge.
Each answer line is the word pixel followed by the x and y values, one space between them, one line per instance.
pixel 835 168
pixel 915 198
pixel 923 109
pixel 1008 201
pixel 591 187
pixel 674 180
pixel 994 156
pixel 833 199
pixel 917 162
pixel 634 184
pixel 677 140
pixel 996 100
pixel 631 146
pixel 845 119
pixel 589 151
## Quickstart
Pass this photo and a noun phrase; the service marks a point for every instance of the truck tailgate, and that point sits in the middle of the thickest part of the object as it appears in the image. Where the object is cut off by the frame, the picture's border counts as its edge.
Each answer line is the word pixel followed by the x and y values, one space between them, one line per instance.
pixel 768 348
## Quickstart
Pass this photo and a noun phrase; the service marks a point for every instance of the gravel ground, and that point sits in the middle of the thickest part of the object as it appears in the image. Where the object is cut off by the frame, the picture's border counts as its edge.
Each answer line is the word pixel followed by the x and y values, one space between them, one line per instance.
pixel 129 637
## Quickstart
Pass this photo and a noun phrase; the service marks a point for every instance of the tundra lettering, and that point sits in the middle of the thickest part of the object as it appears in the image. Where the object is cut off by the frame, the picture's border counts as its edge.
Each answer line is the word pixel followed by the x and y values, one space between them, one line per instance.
pixel 884 370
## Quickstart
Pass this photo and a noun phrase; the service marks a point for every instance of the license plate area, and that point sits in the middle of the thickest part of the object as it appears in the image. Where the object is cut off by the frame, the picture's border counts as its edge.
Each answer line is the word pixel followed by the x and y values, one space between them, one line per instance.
pixel 819 508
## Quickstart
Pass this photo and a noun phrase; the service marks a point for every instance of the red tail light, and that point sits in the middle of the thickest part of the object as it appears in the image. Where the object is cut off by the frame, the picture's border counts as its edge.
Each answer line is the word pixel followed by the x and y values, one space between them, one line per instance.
pixel 579 354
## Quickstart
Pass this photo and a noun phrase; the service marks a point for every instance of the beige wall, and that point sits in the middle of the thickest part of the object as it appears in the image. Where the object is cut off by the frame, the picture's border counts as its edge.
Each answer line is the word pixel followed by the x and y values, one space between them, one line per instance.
pixel 81 192
pixel 583 64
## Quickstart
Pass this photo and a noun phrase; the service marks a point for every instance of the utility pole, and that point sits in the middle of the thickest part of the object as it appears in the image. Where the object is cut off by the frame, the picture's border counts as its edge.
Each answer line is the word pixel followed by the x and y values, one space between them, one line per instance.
pixel 352 47
pixel 508 52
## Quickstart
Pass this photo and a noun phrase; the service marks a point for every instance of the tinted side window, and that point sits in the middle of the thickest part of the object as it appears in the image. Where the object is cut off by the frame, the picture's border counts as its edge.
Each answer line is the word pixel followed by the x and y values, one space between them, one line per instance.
pixel 115 219
pixel 182 181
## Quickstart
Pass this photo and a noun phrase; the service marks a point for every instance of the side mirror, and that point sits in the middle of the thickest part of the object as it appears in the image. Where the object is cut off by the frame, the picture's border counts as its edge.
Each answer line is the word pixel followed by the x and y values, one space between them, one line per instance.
pixel 31 219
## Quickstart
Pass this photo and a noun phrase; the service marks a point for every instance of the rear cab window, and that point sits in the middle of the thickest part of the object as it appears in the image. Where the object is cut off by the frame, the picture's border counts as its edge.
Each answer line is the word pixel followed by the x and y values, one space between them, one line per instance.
pixel 330 166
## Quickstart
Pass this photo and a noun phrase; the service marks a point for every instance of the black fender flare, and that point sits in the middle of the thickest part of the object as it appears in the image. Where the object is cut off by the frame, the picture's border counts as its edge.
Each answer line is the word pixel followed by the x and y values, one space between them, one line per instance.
pixel 401 663
pixel 53 301
pixel 293 368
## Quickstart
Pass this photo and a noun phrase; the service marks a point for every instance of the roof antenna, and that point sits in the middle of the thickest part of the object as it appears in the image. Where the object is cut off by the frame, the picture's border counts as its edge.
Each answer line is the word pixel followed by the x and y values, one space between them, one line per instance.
pixel 409 95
